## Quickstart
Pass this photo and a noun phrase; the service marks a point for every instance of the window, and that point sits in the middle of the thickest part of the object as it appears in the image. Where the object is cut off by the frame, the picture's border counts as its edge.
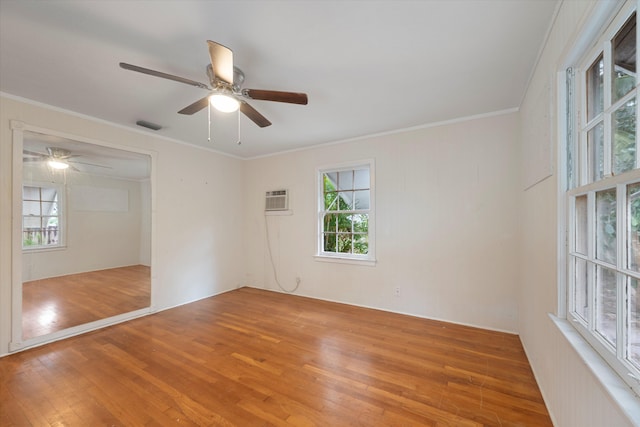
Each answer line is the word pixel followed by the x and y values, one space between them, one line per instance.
pixel 41 216
pixel 603 200
pixel 345 212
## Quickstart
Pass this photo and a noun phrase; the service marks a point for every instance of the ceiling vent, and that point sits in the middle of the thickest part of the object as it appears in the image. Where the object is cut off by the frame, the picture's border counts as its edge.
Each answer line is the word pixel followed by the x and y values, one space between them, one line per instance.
pixel 277 200
pixel 148 125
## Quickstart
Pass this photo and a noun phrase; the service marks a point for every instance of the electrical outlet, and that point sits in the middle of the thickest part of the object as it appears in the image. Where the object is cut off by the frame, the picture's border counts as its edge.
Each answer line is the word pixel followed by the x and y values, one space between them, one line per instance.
pixel 397 291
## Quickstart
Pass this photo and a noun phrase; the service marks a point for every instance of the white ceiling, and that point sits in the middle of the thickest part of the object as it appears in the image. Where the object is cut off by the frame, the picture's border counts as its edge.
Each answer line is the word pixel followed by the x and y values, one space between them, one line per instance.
pixel 368 67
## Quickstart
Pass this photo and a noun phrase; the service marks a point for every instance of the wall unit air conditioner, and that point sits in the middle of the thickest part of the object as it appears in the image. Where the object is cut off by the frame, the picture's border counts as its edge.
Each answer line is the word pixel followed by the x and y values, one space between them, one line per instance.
pixel 277 200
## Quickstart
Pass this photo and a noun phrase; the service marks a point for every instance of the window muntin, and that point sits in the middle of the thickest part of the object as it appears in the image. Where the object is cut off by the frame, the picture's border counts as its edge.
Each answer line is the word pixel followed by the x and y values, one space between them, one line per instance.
pixel 345 212
pixel 603 199
pixel 595 88
pixel 41 216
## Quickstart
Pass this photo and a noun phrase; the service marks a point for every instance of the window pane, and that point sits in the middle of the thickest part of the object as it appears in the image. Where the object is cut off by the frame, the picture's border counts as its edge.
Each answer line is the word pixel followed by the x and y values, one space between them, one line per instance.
pixel 595 150
pixel 361 199
pixel 345 201
pixel 633 224
pixel 344 223
pixel 331 179
pixel 329 242
pixel 361 179
pixel 360 244
pixel 331 201
pixel 606 303
pixel 624 138
pixel 31 208
pixel 581 225
pixel 624 59
pixel 360 223
pixel 50 221
pixel 31 222
pixel 330 222
pixel 345 180
pixel 50 236
pixel 32 238
pixel 606 225
pixel 344 243
pixel 30 193
pixel 581 289
pixel 595 88
pixel 633 310
pixel 49 208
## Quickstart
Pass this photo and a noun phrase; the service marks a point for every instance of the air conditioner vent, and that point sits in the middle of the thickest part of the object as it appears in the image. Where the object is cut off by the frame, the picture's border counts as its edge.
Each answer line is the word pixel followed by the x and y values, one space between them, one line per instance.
pixel 277 200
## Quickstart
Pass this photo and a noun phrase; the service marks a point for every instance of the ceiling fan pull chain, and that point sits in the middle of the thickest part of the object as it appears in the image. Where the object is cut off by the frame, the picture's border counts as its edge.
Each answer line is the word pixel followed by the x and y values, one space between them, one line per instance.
pixel 209 119
pixel 239 140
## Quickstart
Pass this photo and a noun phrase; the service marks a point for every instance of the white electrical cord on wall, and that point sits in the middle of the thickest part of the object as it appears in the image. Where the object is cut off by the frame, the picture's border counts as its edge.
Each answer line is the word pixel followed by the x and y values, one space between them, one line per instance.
pixel 273 265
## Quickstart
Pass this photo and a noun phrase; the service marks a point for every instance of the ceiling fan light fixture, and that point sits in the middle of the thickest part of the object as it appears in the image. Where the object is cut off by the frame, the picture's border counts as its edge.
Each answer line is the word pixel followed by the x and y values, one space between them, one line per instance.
pixel 58 164
pixel 224 103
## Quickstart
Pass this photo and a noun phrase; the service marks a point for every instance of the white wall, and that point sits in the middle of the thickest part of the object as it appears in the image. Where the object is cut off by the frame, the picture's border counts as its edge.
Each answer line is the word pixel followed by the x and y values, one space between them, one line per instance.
pixel 446 223
pixel 96 239
pixel 573 395
pixel 197 246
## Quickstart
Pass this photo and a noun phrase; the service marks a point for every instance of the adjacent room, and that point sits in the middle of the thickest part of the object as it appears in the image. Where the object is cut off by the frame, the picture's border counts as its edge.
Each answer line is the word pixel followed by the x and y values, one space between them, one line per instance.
pixel 299 213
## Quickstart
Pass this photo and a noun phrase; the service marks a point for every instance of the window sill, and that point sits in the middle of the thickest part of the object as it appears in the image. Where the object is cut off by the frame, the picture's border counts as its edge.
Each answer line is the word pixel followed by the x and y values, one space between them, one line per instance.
pixel 345 260
pixel 621 393
pixel 43 249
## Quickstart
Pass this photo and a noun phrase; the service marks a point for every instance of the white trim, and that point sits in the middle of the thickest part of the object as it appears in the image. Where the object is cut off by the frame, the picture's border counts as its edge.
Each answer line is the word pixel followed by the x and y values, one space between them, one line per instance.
pixel 345 260
pixel 386 310
pixel 76 330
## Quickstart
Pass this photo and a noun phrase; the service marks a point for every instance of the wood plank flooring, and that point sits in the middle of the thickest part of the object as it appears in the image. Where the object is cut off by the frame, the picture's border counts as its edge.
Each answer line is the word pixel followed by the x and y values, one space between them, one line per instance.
pixel 257 358
pixel 57 303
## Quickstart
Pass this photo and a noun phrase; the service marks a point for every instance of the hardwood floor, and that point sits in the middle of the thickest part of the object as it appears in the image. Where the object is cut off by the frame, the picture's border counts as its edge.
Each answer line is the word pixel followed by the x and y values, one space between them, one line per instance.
pixel 50 305
pixel 257 358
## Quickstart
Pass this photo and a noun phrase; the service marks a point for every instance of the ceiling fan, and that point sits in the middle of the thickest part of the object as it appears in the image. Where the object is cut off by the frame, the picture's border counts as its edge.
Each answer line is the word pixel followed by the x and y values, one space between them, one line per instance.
pixel 226 91
pixel 57 158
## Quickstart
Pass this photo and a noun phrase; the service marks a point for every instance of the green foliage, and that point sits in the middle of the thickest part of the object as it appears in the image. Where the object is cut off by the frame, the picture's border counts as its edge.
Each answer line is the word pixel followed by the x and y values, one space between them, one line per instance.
pixel 606 237
pixel 344 232
pixel 32 240
pixel 624 139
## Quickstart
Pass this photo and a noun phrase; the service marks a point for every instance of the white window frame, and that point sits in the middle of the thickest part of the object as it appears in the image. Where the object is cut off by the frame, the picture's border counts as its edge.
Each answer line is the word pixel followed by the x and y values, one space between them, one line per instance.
pixel 576 144
pixel 62 215
pixel 321 255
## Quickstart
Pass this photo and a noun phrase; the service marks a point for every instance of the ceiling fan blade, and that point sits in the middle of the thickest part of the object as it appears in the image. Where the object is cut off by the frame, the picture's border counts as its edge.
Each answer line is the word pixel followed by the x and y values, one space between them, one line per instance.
pixel 163 75
pixel 195 107
pixel 33 153
pixel 274 95
pixel 254 115
pixel 221 61
pixel 31 159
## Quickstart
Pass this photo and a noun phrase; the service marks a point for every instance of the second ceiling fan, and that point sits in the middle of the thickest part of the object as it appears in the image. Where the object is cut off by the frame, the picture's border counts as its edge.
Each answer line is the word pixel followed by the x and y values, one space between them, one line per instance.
pixel 226 91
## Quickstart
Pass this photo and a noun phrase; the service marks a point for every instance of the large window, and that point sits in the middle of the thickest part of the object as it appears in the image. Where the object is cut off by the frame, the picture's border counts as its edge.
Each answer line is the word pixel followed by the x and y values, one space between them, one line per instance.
pixel 345 212
pixel 41 216
pixel 603 200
